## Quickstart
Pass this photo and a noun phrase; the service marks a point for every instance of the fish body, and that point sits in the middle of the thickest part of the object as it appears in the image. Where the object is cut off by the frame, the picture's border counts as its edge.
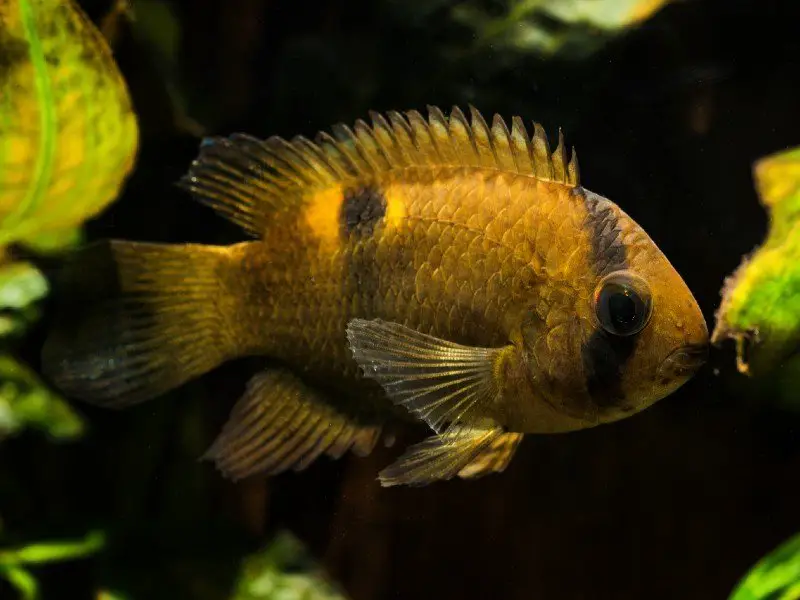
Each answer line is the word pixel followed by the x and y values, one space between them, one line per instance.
pixel 433 269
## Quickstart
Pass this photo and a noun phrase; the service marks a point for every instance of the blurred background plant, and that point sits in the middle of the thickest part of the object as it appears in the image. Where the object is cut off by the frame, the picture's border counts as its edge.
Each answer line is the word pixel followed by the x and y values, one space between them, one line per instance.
pixel 776 576
pixel 663 103
pixel 573 28
pixel 68 138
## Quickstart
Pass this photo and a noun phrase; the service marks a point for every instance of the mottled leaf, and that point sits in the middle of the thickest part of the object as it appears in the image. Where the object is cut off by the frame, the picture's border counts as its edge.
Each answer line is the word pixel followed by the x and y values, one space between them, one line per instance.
pixel 760 307
pixel 68 134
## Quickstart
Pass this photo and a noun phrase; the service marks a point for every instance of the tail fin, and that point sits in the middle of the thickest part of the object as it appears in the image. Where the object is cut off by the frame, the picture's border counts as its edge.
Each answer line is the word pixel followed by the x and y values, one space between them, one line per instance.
pixel 137 320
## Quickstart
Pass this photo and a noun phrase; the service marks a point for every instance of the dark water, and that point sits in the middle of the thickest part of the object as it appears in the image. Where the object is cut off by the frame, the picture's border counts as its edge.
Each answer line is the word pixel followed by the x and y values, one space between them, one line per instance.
pixel 676 502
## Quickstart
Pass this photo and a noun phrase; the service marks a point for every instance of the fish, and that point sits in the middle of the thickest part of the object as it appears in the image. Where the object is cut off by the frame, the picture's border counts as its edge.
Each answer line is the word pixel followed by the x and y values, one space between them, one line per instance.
pixel 439 271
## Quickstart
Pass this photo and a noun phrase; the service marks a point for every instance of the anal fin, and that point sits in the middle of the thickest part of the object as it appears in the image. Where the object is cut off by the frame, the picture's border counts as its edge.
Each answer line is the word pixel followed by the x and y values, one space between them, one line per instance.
pixel 468 452
pixel 494 458
pixel 281 424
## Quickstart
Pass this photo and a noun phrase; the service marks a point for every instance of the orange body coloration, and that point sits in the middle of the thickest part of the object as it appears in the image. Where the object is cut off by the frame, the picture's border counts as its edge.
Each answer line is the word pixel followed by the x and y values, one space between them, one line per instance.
pixel 455 273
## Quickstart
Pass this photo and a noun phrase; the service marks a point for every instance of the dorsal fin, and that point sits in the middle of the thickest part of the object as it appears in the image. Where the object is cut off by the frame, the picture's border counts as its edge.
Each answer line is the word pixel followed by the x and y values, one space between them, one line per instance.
pixel 246 179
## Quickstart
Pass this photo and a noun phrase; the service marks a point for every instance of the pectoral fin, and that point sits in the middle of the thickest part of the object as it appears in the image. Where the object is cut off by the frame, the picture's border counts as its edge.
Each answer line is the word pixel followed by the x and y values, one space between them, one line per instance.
pixel 281 424
pixel 440 382
pixel 467 452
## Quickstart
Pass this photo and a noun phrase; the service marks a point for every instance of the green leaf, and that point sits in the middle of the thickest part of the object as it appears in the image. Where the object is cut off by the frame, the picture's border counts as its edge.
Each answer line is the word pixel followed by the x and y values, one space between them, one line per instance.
pixel 53 551
pixel 51 242
pixel 548 27
pixel 21 284
pixel 60 74
pixel 774 577
pixel 760 307
pixel 25 402
pixel 46 552
pixel 110 595
pixel 283 571
pixel 22 580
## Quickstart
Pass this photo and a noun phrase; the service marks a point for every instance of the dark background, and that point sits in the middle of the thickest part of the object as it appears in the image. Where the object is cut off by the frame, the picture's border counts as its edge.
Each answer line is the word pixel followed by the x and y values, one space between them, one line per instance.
pixel 677 502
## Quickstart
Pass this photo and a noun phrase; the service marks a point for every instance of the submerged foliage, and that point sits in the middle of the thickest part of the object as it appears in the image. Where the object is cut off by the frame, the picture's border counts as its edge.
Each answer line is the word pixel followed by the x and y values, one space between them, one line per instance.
pixel 774 577
pixel 570 27
pixel 283 570
pixel 68 140
pixel 760 307
pixel 25 402
pixel 68 134
pixel 15 563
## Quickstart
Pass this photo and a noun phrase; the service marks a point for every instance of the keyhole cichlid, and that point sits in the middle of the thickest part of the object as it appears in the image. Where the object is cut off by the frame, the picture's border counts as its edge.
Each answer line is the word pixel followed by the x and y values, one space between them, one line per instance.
pixel 436 268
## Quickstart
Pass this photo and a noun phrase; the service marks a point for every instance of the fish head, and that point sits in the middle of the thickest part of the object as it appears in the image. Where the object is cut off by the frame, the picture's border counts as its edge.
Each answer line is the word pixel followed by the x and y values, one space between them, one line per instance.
pixel 630 334
pixel 672 344
pixel 648 335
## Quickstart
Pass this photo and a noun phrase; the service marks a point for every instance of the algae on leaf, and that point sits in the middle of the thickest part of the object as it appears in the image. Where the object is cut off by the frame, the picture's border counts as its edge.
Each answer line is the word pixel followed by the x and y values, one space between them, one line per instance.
pixel 760 308
pixel 774 577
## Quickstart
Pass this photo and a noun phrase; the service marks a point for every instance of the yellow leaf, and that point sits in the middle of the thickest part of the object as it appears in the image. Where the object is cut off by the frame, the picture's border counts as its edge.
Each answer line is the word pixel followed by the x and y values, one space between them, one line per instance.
pixel 68 133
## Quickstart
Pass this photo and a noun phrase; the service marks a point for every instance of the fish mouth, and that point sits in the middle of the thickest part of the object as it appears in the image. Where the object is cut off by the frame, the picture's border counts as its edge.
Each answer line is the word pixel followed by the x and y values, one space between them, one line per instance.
pixel 684 361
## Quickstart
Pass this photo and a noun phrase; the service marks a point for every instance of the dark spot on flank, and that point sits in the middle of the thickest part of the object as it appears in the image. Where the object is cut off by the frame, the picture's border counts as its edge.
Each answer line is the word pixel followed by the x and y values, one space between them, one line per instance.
pixel 608 251
pixel 604 357
pixel 362 209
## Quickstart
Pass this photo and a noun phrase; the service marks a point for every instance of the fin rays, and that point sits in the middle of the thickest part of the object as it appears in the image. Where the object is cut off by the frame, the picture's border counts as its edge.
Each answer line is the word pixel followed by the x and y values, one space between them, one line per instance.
pixel 438 381
pixel 246 179
pixel 439 459
pixel 280 424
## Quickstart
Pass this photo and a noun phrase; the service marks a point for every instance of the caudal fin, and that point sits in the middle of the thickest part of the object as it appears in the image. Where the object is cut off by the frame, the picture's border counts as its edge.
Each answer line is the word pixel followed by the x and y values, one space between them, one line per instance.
pixel 137 320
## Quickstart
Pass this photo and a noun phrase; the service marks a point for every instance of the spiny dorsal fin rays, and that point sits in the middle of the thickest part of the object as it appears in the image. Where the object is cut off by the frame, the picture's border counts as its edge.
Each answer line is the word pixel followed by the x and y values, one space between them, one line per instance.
pixel 541 154
pixel 463 142
pixel 247 179
pixel 559 159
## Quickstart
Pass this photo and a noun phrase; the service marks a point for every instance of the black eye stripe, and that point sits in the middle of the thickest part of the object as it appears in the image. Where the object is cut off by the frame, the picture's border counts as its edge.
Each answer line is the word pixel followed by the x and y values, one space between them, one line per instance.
pixel 604 357
pixel 607 250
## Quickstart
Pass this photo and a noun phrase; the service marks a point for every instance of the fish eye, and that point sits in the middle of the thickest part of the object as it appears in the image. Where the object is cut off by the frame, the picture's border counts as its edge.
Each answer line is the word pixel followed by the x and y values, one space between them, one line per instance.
pixel 622 303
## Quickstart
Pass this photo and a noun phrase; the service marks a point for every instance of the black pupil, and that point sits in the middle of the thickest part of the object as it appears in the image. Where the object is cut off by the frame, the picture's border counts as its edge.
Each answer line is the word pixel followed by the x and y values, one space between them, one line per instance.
pixel 622 308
